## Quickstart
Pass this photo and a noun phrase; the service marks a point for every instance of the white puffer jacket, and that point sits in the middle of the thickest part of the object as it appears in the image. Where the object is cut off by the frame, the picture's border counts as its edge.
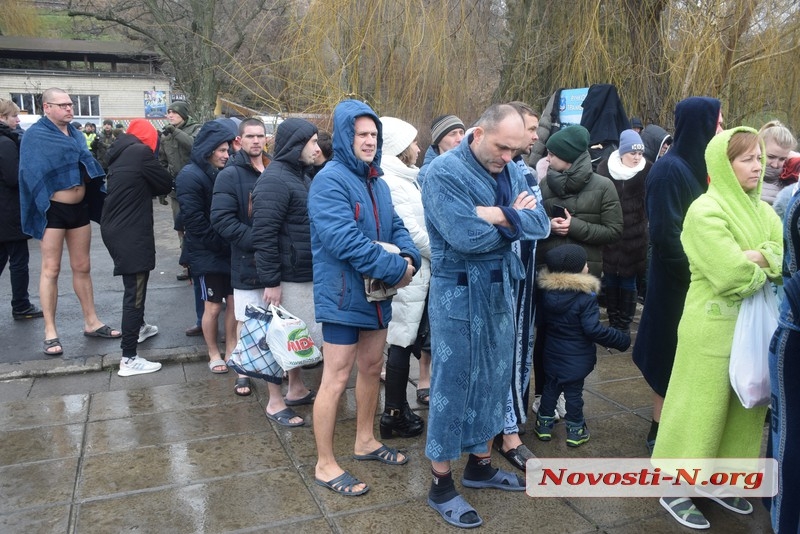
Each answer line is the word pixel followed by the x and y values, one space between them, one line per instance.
pixel 409 303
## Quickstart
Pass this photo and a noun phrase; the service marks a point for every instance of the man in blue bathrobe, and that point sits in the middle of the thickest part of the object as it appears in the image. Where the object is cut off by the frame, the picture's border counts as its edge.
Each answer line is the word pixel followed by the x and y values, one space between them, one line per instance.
pixel 477 203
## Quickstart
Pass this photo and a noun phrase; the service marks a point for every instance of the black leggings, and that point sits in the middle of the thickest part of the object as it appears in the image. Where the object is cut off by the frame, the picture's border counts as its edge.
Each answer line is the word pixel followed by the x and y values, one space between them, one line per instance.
pixel 133 310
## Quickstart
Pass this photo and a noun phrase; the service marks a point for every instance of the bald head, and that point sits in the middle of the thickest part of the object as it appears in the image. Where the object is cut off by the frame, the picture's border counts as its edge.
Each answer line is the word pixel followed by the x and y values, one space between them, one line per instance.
pixel 499 135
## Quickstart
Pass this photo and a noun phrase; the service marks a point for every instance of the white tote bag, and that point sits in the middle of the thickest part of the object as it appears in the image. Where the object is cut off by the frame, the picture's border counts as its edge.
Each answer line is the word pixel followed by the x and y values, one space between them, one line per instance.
pixel 749 366
pixel 290 341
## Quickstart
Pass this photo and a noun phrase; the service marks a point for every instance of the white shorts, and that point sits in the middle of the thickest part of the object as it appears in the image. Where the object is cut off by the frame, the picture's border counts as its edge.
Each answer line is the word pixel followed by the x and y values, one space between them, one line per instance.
pixel 297 298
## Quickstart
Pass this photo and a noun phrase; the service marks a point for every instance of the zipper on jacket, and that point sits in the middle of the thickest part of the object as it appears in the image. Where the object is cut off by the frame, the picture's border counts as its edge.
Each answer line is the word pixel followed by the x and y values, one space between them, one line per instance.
pixel 378 230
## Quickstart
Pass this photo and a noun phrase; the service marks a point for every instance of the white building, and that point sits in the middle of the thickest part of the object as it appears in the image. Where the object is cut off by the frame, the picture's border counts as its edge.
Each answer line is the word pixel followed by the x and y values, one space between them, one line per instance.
pixel 105 79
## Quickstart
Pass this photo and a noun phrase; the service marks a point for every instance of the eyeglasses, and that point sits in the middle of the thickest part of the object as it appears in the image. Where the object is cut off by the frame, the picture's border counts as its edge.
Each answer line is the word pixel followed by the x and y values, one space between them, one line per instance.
pixel 62 106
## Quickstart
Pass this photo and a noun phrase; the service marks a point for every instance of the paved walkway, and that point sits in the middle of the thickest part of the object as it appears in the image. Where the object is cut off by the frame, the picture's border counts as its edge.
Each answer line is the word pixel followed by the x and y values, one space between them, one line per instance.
pixel 85 451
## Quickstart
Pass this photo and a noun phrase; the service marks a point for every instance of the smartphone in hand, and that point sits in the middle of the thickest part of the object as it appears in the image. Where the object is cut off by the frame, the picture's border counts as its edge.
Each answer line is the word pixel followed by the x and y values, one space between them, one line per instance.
pixel 559 211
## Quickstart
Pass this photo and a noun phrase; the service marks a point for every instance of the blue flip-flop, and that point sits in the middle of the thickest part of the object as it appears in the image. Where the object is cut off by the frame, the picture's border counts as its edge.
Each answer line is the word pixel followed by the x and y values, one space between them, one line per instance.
pixel 501 480
pixel 453 510
pixel 383 454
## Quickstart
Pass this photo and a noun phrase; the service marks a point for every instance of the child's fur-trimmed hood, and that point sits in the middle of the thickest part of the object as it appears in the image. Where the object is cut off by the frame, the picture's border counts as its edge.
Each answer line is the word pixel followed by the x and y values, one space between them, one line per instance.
pixel 583 282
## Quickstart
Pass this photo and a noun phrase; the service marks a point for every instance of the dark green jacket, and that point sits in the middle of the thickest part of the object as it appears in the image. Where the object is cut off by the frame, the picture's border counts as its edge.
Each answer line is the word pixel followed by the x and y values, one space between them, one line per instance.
pixel 593 203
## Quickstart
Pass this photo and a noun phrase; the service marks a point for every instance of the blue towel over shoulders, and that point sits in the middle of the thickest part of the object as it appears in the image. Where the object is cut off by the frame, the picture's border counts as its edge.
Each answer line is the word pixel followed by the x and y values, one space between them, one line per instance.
pixel 50 161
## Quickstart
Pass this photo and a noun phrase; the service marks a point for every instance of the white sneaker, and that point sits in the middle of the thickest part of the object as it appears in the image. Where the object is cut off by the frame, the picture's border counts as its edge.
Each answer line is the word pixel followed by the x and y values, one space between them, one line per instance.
pixel 138 366
pixel 147 331
pixel 537 400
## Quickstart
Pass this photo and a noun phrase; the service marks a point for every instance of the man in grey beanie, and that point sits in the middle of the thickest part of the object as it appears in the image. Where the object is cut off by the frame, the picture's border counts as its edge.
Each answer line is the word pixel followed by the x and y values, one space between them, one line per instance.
pixel 447 131
pixel 177 138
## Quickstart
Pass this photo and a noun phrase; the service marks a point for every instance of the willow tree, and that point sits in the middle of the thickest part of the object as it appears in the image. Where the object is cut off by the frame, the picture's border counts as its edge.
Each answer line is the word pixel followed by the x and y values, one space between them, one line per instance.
pixel 198 38
pixel 413 60
pixel 657 52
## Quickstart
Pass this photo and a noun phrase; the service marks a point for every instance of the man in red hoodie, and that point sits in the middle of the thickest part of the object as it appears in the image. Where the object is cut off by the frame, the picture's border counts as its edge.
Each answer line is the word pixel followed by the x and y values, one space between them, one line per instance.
pixel 134 177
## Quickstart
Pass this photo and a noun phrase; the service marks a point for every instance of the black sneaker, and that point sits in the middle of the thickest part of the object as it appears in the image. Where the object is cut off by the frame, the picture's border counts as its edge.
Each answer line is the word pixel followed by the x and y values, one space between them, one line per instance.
pixel 31 313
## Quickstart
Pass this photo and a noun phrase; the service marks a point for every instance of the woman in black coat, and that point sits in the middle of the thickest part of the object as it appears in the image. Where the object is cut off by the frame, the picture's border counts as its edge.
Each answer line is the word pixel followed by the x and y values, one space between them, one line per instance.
pixel 13 243
pixel 626 259
pixel 134 177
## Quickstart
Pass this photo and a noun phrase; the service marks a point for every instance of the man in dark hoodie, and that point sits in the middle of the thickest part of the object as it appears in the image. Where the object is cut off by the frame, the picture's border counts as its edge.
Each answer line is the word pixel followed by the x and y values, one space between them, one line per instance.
pixel 279 271
pixel 207 254
pixel 673 183
pixel 134 178
pixel 656 142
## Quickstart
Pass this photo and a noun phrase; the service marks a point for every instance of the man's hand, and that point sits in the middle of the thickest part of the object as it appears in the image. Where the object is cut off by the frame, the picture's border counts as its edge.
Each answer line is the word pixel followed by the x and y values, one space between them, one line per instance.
pixel 272 295
pixel 559 225
pixel 406 277
pixel 524 201
pixel 168 129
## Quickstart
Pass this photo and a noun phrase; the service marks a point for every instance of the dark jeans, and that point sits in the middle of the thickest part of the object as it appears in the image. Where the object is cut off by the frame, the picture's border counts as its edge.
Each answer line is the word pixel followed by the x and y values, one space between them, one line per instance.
pixel 133 311
pixel 573 395
pixel 15 253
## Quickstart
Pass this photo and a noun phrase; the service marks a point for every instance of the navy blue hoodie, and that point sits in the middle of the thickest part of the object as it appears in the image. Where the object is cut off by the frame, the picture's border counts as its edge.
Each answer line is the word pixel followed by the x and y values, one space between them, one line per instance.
pixel 203 249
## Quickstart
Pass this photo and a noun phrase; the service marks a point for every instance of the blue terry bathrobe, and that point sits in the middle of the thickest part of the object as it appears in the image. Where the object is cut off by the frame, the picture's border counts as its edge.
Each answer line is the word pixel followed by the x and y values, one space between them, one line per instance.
pixel 471 300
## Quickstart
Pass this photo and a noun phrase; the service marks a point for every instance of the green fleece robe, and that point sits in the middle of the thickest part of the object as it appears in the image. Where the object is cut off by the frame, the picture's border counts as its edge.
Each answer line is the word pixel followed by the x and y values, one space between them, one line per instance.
pixel 702 417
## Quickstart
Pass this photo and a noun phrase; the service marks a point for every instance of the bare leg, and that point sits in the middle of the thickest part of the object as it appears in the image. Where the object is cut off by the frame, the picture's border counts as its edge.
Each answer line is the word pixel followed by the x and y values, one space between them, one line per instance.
pixel 210 318
pixel 339 361
pixel 370 360
pixel 52 246
pixel 297 388
pixel 230 326
pixel 277 404
pixel 424 370
pixel 78 242
pixel 658 405
pixel 511 441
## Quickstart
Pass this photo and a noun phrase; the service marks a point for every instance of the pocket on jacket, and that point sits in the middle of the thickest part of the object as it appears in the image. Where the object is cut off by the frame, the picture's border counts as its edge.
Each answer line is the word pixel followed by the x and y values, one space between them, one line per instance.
pixel 457 303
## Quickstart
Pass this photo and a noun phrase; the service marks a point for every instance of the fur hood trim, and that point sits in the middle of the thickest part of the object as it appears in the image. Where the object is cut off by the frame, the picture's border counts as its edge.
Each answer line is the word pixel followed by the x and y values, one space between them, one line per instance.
pixel 583 282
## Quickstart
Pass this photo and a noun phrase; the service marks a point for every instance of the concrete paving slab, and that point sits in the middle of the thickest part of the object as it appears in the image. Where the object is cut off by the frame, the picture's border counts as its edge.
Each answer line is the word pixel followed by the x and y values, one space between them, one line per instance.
pixel 231 504
pixel 179 464
pixel 88 382
pixel 172 397
pixel 32 485
pixel 39 444
pixel 50 520
pixel 155 429
pixel 44 411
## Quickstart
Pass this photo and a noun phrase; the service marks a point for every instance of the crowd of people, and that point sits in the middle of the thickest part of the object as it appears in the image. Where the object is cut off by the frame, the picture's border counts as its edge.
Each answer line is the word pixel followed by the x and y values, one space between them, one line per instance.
pixel 490 273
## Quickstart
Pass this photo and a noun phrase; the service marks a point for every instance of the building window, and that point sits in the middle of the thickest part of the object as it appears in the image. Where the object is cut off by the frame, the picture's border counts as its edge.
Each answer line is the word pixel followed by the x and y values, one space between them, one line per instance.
pixel 32 103
pixel 84 105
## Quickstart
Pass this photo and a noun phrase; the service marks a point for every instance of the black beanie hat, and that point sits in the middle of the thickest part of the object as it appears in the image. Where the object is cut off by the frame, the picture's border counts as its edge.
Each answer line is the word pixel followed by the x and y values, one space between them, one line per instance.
pixel 181 108
pixel 568 144
pixel 566 259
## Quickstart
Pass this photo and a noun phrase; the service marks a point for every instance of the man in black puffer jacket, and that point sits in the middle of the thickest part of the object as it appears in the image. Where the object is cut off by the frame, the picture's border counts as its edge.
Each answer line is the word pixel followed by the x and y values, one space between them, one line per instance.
pixel 282 248
pixel 230 212
pixel 207 254
pixel 134 177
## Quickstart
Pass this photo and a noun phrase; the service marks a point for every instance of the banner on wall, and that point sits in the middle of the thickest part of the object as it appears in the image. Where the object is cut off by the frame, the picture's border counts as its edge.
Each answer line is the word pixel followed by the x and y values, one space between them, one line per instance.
pixel 155 104
pixel 569 106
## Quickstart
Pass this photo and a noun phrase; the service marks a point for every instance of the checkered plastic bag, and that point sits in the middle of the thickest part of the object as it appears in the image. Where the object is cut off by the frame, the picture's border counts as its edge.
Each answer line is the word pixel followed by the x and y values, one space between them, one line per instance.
pixel 252 355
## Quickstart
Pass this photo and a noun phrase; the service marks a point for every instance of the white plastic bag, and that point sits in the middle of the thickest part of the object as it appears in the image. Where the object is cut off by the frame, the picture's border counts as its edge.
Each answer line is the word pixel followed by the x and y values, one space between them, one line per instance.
pixel 749 366
pixel 290 341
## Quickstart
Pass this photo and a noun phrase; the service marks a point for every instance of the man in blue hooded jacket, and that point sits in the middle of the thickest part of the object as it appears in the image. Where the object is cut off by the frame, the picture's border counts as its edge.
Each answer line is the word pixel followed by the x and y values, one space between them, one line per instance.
pixel 351 211
pixel 207 254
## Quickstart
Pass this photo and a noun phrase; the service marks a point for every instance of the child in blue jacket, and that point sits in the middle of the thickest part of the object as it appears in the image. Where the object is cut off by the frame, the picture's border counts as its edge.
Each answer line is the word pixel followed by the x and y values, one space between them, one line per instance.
pixel 569 314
